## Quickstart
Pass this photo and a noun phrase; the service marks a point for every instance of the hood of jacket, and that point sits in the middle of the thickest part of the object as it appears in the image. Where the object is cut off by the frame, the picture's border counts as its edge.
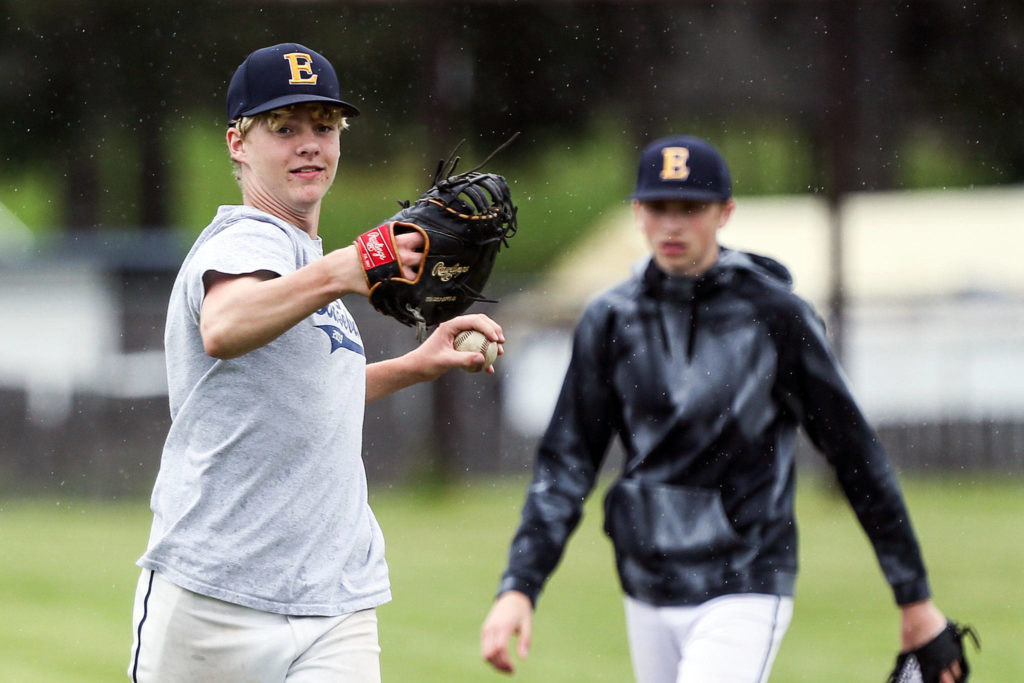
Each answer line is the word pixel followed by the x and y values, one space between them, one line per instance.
pixel 658 287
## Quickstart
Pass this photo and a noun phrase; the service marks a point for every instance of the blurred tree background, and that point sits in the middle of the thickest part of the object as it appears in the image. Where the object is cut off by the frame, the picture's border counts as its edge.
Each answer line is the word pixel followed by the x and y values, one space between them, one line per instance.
pixel 113 109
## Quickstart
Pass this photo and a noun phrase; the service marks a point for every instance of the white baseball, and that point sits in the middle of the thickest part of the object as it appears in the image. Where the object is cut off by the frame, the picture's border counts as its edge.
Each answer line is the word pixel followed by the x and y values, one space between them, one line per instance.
pixel 474 341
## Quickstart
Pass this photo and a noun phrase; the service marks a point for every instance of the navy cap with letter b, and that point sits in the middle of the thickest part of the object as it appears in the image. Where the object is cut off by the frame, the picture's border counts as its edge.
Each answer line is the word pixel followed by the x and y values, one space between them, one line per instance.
pixel 682 167
pixel 281 75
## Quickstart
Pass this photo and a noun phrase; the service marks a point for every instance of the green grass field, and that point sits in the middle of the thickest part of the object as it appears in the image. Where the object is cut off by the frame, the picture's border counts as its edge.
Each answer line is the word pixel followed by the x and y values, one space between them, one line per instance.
pixel 67 576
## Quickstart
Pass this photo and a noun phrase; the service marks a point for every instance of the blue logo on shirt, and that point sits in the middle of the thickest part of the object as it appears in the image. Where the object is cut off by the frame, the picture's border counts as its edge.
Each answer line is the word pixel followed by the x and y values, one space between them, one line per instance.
pixel 342 330
pixel 339 340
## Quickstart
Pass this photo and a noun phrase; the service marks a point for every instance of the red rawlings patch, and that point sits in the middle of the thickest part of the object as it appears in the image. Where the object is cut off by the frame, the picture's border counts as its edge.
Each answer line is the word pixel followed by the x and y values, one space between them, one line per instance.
pixel 375 247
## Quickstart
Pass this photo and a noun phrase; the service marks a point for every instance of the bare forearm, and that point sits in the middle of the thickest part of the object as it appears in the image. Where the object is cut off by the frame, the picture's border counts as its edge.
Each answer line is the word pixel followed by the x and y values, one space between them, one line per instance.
pixel 388 376
pixel 248 312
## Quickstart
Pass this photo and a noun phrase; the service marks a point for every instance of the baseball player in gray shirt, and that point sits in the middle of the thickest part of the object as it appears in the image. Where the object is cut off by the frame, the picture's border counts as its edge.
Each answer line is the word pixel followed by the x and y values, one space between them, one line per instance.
pixel 265 562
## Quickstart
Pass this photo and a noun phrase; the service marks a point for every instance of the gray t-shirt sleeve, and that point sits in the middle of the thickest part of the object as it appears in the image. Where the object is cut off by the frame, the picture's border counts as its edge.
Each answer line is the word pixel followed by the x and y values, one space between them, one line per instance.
pixel 246 246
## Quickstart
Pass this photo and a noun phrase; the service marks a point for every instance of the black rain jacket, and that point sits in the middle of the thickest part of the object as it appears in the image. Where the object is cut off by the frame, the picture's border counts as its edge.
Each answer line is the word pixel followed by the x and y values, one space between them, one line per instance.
pixel 705 380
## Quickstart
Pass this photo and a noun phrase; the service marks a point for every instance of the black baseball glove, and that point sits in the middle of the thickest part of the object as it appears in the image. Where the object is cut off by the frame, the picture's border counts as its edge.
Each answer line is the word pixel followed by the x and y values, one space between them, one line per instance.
pixel 926 663
pixel 465 219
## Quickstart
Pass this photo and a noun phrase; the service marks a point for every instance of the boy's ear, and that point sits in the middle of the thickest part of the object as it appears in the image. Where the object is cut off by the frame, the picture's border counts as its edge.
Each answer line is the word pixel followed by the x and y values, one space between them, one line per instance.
pixel 727 208
pixel 235 142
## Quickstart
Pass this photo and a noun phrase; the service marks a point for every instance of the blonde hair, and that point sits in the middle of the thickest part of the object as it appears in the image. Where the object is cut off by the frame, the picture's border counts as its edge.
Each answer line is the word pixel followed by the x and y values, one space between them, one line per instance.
pixel 321 113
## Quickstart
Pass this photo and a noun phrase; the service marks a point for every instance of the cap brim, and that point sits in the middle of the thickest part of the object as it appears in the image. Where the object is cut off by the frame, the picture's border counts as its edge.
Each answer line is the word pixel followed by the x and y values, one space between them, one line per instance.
pixel 682 193
pixel 348 109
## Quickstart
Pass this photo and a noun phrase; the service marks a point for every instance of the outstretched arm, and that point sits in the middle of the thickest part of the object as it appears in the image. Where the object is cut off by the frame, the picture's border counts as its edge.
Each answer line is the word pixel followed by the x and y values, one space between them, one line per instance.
pixel 243 312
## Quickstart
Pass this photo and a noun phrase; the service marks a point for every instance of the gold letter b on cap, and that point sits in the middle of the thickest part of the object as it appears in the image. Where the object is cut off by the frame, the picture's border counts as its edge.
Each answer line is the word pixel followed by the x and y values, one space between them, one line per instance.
pixel 674 166
pixel 301 65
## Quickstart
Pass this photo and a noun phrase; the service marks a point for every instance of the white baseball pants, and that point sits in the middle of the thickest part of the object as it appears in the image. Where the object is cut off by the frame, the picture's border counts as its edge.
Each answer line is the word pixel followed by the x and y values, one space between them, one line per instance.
pixel 183 637
pixel 730 639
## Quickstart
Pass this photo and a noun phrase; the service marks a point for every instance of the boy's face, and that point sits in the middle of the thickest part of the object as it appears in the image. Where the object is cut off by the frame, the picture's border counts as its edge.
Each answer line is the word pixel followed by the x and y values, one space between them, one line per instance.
pixel 287 171
pixel 682 234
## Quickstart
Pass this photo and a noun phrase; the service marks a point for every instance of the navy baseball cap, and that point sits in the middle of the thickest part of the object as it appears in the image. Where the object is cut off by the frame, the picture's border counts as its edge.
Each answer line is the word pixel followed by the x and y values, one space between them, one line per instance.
pixel 281 75
pixel 682 167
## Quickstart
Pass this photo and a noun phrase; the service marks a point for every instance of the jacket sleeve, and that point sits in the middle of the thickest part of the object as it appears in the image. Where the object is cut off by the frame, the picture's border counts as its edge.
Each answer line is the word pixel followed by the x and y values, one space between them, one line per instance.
pixel 568 460
pixel 816 389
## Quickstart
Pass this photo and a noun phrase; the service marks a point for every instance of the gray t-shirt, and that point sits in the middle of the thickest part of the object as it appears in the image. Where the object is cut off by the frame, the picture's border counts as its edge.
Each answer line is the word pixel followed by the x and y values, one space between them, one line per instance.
pixel 261 496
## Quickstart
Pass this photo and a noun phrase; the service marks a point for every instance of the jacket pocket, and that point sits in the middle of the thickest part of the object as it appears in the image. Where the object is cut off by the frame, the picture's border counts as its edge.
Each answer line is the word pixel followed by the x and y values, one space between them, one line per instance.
pixel 680 522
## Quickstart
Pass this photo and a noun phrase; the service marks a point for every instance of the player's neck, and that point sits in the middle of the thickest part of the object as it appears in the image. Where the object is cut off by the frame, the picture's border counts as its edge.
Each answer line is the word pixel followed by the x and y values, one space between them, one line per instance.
pixel 308 221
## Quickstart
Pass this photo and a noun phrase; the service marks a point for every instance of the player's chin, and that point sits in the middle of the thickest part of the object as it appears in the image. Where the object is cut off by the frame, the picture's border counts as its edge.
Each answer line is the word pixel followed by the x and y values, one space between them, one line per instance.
pixel 673 263
pixel 311 193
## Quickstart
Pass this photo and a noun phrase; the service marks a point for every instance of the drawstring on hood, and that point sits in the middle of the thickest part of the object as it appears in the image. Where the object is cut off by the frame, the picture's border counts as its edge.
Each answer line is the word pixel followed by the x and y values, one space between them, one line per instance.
pixel 662 288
